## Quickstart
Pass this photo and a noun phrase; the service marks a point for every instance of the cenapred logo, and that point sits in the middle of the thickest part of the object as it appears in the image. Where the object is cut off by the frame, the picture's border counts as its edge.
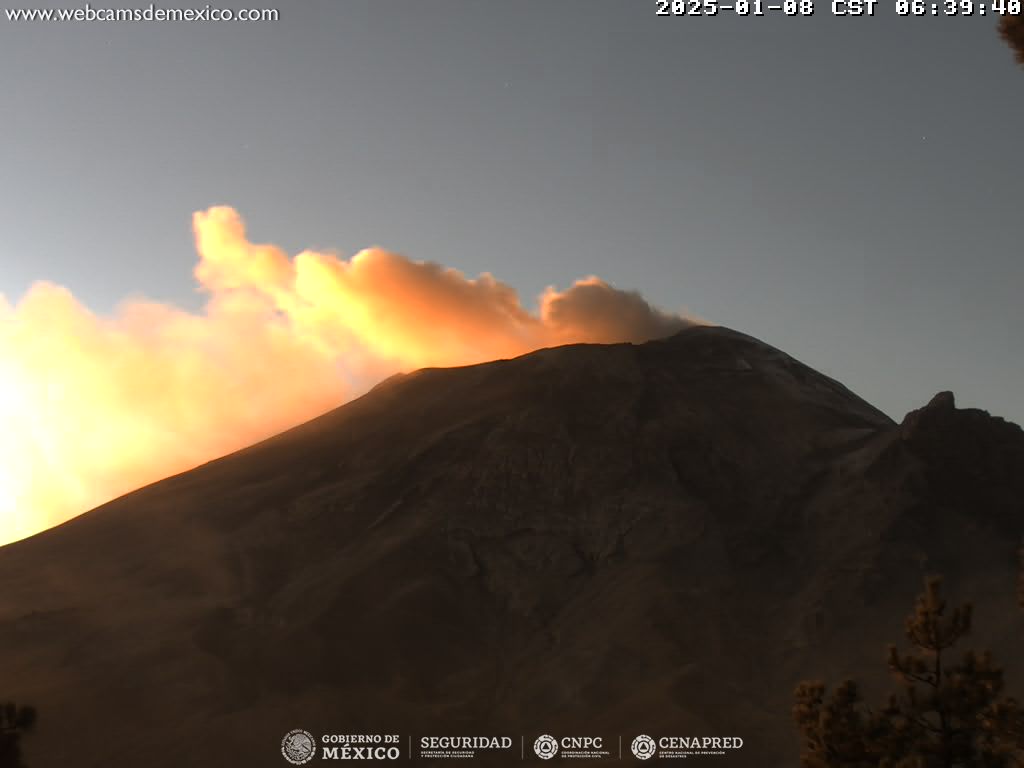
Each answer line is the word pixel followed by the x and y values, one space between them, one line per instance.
pixel 644 747
pixel 298 746
pixel 546 747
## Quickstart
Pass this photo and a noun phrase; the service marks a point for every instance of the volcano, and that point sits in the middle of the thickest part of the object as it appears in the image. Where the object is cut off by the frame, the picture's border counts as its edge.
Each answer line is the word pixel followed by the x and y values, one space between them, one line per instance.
pixel 660 538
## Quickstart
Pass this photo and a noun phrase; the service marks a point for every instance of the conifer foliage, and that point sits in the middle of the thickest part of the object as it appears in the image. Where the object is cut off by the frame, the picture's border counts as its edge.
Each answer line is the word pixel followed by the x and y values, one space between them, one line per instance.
pixel 15 722
pixel 945 713
pixel 1012 30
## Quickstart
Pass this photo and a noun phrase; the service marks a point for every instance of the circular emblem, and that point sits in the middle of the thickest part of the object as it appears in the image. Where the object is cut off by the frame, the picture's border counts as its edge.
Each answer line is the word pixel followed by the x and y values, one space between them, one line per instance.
pixel 546 747
pixel 298 746
pixel 644 747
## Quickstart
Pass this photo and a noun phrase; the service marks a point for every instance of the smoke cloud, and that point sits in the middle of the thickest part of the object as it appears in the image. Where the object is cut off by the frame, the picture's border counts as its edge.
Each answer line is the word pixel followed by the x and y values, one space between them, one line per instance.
pixel 93 407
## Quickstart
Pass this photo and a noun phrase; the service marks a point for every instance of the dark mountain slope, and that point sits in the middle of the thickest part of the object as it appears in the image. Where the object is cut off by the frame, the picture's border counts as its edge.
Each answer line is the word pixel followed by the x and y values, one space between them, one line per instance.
pixel 659 538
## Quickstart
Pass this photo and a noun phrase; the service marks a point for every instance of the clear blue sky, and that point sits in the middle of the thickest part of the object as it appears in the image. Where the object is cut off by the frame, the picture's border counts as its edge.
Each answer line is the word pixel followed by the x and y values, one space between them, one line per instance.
pixel 846 189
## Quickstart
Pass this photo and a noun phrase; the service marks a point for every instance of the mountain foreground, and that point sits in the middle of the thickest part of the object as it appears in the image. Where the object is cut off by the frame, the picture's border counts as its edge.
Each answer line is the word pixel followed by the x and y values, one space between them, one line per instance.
pixel 594 539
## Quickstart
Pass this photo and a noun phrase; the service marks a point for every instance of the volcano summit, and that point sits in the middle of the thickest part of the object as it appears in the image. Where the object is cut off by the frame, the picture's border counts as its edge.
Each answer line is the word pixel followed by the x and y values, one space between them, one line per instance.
pixel 658 539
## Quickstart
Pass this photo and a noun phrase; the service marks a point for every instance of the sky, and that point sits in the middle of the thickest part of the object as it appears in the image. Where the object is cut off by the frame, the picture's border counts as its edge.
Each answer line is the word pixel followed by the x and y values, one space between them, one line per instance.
pixel 846 189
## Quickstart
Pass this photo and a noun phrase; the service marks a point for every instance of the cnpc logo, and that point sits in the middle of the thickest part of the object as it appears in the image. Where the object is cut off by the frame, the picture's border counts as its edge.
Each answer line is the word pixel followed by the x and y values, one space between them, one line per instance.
pixel 547 746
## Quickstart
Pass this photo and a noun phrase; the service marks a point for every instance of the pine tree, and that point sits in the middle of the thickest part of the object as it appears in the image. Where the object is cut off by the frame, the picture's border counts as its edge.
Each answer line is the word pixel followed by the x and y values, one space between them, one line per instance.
pixel 1020 580
pixel 945 713
pixel 1012 30
pixel 15 722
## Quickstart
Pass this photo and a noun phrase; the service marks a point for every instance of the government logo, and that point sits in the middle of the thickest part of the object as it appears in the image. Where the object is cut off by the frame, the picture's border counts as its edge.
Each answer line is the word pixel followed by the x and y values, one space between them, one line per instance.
pixel 546 747
pixel 298 746
pixel 644 747
pixel 678 747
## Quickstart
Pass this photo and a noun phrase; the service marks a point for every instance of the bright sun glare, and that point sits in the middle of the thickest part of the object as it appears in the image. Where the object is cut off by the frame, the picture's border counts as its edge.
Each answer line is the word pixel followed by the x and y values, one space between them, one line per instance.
pixel 10 403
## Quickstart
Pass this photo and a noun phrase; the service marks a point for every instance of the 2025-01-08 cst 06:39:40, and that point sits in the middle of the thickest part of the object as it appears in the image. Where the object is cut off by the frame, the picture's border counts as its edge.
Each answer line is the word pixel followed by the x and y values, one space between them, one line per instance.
pixel 837 7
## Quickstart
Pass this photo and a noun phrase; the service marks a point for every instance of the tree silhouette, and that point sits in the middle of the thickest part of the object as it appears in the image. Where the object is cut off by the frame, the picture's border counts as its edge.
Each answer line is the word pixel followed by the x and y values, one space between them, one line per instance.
pixel 1011 28
pixel 945 714
pixel 1020 580
pixel 15 722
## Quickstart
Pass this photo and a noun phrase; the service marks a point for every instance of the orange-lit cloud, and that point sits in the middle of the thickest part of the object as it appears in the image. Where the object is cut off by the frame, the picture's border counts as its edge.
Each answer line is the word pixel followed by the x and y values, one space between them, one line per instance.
pixel 93 407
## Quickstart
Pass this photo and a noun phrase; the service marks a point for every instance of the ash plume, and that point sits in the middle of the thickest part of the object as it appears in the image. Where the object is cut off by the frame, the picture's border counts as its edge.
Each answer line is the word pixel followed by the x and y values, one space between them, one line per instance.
pixel 95 406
